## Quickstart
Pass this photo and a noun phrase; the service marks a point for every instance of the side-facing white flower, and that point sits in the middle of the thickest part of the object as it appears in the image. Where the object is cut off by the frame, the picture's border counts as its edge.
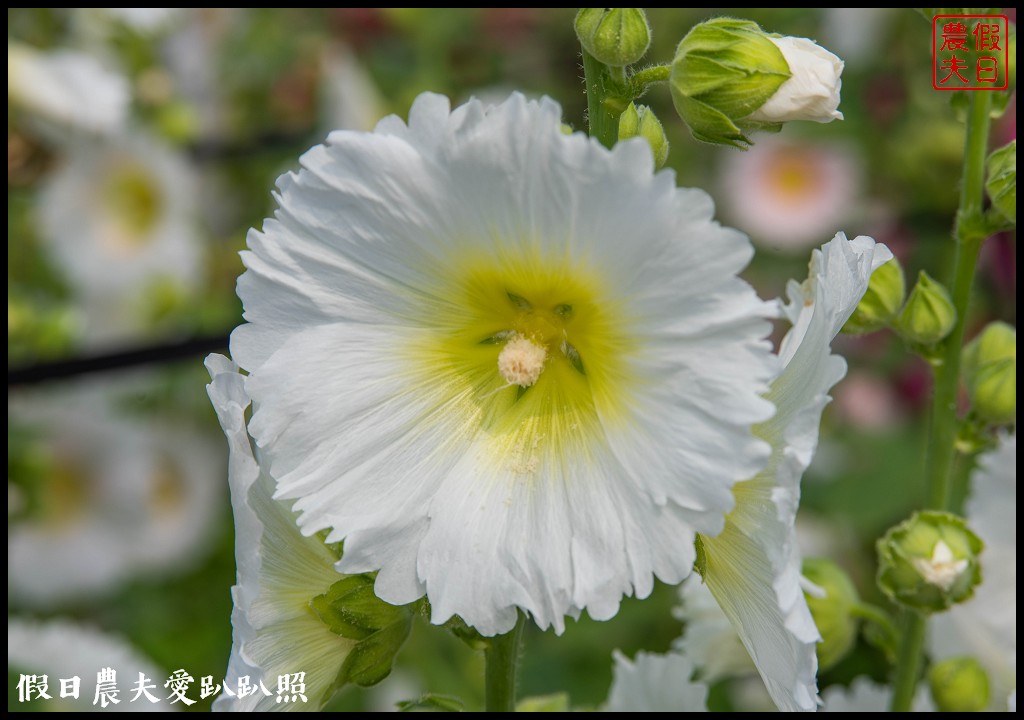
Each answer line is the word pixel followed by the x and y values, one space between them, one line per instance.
pixel 812 91
pixel 402 264
pixel 655 683
pixel 119 215
pixel 279 572
pixel 985 626
pixel 66 87
pixel 119 498
pixel 753 567
pixel 63 649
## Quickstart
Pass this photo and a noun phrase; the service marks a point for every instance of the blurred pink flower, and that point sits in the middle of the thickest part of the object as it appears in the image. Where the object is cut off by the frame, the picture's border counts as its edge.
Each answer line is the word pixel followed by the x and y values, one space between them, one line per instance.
pixel 789 196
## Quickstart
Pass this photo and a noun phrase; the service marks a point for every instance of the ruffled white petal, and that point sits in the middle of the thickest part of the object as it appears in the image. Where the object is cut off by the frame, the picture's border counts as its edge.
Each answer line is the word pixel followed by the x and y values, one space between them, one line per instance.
pixel 753 567
pixel 655 683
pixel 279 572
pixel 62 649
pixel 985 626
pixel 481 504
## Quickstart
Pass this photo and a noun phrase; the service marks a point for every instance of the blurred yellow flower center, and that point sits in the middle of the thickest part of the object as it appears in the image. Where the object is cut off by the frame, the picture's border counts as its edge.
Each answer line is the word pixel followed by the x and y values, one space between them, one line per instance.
pixel 134 202
pixel 795 177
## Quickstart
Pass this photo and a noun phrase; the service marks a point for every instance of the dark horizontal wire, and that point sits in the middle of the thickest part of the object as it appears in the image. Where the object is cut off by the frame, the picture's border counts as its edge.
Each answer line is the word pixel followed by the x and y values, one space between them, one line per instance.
pixel 193 347
pixel 213 150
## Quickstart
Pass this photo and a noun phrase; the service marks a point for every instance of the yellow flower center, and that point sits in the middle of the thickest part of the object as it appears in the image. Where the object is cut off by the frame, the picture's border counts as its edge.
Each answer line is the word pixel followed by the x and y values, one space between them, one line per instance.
pixel 532 350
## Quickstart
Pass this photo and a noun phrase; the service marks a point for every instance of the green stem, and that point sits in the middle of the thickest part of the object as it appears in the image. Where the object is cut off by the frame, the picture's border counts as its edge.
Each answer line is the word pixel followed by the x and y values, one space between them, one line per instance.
pixel 879 617
pixel 908 666
pixel 968 243
pixel 941 444
pixel 501 658
pixel 603 125
pixel 639 80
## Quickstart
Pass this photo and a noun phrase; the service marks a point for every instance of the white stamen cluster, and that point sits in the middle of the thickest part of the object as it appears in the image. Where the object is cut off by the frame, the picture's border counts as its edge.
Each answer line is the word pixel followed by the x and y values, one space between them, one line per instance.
pixel 521 361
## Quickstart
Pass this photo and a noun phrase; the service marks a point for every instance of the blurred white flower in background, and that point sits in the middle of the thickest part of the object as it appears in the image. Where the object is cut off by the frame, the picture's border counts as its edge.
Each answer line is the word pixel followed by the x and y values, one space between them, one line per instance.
pixel 67 89
pixel 864 695
pixel 787 195
pixel 709 638
pixel 655 683
pixel 143 20
pixel 115 498
pixel 856 33
pixel 350 99
pixel 63 649
pixel 985 627
pixel 119 219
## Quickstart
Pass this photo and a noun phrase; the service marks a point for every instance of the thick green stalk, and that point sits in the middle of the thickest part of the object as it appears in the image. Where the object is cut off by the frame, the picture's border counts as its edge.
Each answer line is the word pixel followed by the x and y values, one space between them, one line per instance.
pixel 603 125
pixel 968 243
pixel 908 664
pixel 941 444
pixel 501 658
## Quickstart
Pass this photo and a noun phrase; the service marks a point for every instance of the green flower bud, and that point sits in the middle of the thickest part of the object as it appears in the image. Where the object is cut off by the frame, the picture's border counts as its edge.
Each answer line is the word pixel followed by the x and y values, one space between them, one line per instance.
pixel 641 121
pixel 1002 180
pixel 929 315
pixel 833 613
pixel 614 36
pixel 990 372
pixel 959 684
pixel 729 76
pixel 930 561
pixel 881 302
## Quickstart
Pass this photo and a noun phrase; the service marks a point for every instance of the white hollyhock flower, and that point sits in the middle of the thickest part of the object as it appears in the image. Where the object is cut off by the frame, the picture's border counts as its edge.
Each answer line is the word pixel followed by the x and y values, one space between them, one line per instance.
pixel 812 92
pixel 279 572
pixel 753 567
pixel 118 498
pixel 655 683
pixel 985 626
pixel 863 695
pixel 118 216
pixel 66 87
pixel 398 268
pixel 65 649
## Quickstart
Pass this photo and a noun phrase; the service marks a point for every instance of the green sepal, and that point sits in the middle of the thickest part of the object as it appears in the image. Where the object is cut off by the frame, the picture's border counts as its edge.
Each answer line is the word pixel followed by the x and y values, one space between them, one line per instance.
pixel 351 609
pixel 467 634
pixel 371 659
pixel 700 562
